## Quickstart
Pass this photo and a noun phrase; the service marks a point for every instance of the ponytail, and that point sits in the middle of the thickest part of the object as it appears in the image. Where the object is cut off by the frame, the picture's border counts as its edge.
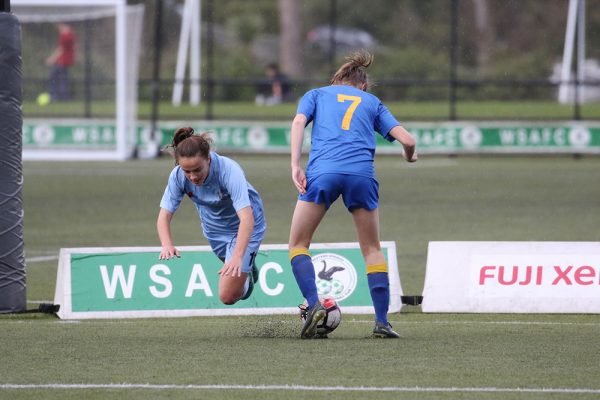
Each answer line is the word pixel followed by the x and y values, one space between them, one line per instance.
pixel 186 143
pixel 353 70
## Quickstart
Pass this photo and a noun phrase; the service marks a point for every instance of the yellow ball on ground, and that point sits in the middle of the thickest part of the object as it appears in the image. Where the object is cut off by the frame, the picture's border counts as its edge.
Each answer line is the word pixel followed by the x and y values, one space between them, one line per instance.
pixel 43 99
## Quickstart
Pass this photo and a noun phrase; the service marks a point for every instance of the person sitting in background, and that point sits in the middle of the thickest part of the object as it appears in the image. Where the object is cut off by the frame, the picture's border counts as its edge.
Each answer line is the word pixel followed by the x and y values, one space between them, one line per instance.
pixel 275 89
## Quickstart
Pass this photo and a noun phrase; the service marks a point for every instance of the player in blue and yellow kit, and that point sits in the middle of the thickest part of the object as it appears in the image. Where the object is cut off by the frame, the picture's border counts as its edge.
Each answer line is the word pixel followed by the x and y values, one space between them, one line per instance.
pixel 345 118
pixel 229 207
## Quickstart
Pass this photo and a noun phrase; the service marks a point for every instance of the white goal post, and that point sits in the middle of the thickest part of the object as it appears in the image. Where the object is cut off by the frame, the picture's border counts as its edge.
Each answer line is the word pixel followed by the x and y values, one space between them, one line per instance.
pixel 126 62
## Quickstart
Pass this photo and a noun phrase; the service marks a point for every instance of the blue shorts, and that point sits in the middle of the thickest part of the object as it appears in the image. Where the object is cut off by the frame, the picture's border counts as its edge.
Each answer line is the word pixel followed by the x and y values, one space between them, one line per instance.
pixel 357 191
pixel 224 250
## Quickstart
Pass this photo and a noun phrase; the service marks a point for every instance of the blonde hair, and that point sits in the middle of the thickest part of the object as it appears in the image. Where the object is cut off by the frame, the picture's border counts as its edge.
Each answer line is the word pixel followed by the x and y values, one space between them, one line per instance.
pixel 353 70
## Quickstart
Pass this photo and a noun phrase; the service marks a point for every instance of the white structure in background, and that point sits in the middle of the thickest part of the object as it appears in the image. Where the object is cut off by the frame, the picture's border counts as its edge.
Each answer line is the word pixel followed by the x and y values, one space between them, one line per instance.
pixel 587 93
pixel 189 41
pixel 128 31
pixel 586 69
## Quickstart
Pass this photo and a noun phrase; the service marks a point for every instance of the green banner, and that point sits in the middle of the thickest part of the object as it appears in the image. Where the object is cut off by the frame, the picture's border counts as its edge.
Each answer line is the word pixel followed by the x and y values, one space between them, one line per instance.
pixel 504 138
pixel 132 282
pixel 102 134
pixel 443 138
pixel 69 134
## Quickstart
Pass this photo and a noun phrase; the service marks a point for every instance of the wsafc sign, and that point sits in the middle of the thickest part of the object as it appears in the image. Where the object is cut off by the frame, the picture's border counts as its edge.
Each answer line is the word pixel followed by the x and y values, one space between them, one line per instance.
pixel 513 277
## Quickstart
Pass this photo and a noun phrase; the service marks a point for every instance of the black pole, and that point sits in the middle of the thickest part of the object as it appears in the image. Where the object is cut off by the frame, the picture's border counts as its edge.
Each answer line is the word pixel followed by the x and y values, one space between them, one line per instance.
pixel 87 80
pixel 156 67
pixel 453 57
pixel 13 297
pixel 210 43
pixel 332 29
pixel 4 5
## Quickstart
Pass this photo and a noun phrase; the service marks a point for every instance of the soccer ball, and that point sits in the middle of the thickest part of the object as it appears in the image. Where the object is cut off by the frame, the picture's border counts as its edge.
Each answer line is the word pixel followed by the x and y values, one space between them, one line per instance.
pixel 333 316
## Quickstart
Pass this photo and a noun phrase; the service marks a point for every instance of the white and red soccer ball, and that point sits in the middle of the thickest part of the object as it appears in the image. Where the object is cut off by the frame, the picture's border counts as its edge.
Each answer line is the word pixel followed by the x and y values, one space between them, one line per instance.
pixel 333 316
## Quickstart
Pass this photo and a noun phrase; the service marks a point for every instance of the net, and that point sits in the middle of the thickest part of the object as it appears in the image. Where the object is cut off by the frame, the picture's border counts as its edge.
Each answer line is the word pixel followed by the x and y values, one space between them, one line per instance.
pixel 80 78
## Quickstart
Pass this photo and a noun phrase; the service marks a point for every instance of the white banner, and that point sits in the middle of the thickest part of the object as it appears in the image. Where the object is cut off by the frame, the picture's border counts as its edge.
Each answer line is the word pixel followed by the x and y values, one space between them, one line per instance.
pixel 512 277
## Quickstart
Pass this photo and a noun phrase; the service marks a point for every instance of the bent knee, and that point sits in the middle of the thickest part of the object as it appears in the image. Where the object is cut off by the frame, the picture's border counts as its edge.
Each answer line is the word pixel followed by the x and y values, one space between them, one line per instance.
pixel 228 298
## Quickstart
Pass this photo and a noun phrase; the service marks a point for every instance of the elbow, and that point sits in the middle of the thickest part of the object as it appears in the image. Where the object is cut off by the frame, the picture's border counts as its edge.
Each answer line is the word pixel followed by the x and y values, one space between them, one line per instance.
pixel 297 126
pixel 246 217
pixel 407 140
pixel 164 218
pixel 250 220
pixel 299 121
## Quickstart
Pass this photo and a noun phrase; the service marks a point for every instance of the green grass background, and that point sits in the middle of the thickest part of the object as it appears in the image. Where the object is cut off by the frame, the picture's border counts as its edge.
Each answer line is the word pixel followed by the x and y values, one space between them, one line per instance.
pixel 439 198
pixel 404 110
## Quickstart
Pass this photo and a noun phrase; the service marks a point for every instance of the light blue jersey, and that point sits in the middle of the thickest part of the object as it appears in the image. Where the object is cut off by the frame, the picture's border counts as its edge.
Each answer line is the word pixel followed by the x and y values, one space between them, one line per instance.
pixel 345 120
pixel 217 200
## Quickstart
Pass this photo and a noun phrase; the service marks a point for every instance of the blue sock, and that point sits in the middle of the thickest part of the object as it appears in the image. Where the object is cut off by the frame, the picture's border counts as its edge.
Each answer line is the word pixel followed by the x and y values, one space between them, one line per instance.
pixel 304 272
pixel 379 285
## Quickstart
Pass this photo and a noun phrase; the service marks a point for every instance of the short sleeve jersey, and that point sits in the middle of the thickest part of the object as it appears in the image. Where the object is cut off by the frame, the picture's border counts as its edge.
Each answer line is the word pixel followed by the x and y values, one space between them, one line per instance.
pixel 224 192
pixel 345 120
pixel 66 42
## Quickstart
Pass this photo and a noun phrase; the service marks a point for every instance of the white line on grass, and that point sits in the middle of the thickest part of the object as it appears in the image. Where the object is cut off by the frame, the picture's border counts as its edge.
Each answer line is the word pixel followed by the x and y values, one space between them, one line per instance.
pixel 40 259
pixel 221 320
pixel 435 163
pixel 482 322
pixel 515 323
pixel 301 388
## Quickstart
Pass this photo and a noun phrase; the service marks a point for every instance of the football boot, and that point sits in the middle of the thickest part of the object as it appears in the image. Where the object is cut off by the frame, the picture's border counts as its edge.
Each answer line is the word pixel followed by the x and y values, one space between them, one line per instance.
pixel 313 317
pixel 252 278
pixel 384 331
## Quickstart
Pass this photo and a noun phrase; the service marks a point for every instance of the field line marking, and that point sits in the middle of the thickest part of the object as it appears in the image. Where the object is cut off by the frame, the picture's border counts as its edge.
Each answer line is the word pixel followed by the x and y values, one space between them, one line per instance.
pixel 299 388
pixel 433 163
pixel 515 323
pixel 207 320
pixel 40 259
pixel 482 323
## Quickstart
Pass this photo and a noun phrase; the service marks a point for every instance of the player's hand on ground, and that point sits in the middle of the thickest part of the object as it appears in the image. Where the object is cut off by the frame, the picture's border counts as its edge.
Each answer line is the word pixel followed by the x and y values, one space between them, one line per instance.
pixel 231 267
pixel 168 252
pixel 299 179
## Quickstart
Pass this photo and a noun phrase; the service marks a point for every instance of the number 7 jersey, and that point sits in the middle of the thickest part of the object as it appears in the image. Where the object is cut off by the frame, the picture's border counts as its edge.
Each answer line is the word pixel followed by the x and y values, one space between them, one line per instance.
pixel 345 120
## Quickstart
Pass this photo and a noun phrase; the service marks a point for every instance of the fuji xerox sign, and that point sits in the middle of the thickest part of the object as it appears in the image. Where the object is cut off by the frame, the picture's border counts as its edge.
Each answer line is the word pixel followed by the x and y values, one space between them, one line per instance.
pixel 545 277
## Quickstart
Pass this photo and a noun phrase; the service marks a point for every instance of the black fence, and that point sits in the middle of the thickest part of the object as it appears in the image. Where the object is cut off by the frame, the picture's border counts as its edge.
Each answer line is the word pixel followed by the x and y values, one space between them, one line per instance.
pixel 451 89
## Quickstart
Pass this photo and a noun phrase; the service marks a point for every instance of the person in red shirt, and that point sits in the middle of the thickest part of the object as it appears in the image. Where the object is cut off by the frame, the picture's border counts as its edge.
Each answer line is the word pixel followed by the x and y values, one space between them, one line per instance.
pixel 61 59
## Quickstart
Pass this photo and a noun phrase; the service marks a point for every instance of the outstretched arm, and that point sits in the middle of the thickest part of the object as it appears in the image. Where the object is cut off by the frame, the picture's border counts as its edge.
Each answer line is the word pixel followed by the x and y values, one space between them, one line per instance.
pixel 407 142
pixel 163 226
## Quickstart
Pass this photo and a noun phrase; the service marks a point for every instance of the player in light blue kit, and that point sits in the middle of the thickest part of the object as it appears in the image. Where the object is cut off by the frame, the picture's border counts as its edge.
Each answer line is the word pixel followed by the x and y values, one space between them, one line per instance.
pixel 345 118
pixel 229 207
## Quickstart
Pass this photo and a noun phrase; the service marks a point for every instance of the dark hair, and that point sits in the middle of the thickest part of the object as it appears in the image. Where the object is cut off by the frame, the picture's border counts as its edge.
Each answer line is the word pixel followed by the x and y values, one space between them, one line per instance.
pixel 353 70
pixel 186 143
